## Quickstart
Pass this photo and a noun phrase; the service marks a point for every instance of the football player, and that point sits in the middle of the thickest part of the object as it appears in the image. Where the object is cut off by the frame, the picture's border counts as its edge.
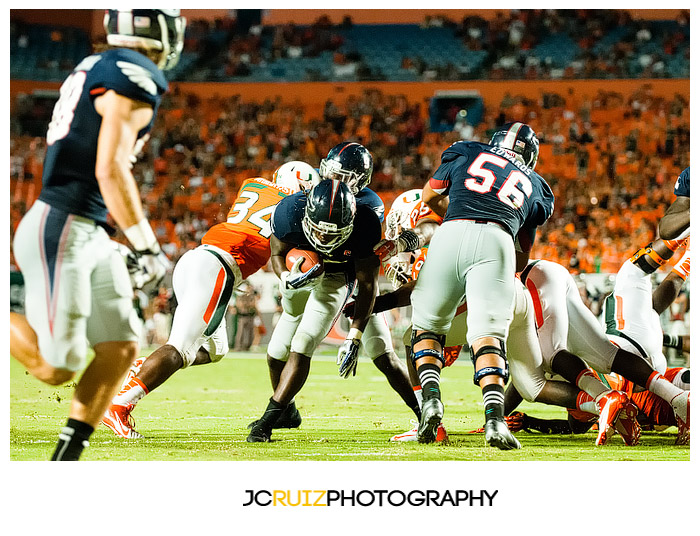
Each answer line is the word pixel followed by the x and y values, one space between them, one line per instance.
pixel 410 224
pixel 77 284
pixel 632 320
pixel 350 163
pixel 653 412
pixel 204 280
pixel 492 201
pixel 343 231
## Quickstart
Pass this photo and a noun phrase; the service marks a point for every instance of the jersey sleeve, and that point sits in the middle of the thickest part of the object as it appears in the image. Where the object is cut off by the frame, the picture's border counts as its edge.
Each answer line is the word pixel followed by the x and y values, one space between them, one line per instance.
pixel 134 77
pixel 543 207
pixel 372 200
pixel 682 187
pixel 367 230
pixel 285 221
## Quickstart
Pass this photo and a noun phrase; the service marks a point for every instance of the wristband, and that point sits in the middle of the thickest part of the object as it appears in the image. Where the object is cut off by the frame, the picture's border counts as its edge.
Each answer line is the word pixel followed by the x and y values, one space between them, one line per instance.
pixel 354 334
pixel 410 239
pixel 142 237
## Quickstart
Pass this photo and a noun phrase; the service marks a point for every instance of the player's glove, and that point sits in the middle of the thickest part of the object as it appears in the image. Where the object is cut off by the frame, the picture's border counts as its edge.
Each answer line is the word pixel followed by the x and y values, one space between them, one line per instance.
pixel 295 278
pixel 147 267
pixel 349 353
pixel 408 240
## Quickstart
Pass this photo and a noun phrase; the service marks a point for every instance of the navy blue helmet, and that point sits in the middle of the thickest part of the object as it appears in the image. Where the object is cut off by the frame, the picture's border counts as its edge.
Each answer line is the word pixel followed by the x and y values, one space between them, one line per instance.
pixel 161 30
pixel 519 140
pixel 329 215
pixel 349 162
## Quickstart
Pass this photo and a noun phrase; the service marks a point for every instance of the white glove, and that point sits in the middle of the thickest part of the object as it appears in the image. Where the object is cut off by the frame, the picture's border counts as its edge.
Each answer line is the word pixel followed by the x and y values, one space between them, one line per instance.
pixel 407 241
pixel 147 267
pixel 349 353
pixel 295 278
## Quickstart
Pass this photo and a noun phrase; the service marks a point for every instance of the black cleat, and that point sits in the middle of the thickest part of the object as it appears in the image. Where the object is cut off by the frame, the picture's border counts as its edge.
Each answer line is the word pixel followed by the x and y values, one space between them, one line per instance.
pixel 498 435
pixel 259 434
pixel 290 418
pixel 431 417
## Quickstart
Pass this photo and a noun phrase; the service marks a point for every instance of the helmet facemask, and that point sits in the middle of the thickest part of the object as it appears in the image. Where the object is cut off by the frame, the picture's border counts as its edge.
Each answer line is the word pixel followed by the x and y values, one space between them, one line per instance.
pixel 324 236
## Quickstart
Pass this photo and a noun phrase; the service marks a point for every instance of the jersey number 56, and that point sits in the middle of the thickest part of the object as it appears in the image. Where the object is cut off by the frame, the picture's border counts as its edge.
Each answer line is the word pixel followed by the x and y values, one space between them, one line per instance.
pixel 483 179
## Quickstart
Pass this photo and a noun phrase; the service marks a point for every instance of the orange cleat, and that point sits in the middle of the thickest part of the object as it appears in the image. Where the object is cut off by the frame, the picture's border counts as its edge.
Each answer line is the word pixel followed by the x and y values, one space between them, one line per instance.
pixel 118 419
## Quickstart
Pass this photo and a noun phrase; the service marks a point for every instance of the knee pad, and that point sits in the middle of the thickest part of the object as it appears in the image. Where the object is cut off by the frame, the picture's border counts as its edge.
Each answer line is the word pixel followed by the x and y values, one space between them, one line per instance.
pixel 427 352
pixel 490 371
pixel 304 344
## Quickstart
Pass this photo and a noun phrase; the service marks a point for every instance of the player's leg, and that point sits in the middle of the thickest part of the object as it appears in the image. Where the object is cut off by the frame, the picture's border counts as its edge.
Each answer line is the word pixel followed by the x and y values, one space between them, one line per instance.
pixel 322 309
pixel 24 347
pixel 293 304
pixel 438 291
pixel 490 293
pixel 41 248
pixel 203 282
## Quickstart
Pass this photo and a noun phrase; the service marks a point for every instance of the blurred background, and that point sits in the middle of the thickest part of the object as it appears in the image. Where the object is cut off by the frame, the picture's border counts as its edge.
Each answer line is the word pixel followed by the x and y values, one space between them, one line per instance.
pixel 607 91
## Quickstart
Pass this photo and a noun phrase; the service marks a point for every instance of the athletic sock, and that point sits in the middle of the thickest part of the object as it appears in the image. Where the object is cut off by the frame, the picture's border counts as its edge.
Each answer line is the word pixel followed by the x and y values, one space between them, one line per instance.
pixel 661 387
pixel 72 439
pixel 588 382
pixel 418 391
pixel 494 397
pixel 587 403
pixel 131 393
pixel 429 376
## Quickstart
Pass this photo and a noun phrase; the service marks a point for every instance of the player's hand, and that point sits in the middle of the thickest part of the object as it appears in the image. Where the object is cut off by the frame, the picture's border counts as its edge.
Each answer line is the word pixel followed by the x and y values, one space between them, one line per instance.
pixel 147 267
pixel 349 309
pixel 295 278
pixel 407 241
pixel 349 353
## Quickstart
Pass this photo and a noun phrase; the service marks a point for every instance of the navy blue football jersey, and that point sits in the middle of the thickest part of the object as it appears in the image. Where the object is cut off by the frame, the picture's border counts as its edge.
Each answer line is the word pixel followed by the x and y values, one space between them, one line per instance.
pixel 682 187
pixel 366 233
pixel 69 181
pixel 485 183
pixel 371 199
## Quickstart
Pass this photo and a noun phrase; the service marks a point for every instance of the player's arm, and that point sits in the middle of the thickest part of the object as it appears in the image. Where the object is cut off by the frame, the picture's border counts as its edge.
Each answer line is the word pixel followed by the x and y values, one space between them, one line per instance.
pixel 122 120
pixel 523 246
pixel 437 202
pixel 676 220
pixel 278 255
pixel 367 275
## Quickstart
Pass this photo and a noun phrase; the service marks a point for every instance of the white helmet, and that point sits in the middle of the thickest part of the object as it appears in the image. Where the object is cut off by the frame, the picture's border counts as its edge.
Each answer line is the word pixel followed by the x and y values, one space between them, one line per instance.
pixel 398 269
pixel 399 216
pixel 152 29
pixel 296 175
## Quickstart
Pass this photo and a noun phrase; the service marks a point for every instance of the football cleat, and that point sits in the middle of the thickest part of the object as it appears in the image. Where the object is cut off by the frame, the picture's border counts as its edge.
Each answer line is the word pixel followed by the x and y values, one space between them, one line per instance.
pixel 431 417
pixel 610 405
pixel 118 419
pixel 498 435
pixel 626 424
pixel 681 409
pixel 290 418
pixel 259 434
pixel 412 434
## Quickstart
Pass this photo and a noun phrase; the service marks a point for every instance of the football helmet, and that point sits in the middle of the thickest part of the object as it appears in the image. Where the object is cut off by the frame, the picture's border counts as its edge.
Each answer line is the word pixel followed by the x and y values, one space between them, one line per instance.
pixel 296 175
pixel 519 140
pixel 349 162
pixel 399 216
pixel 151 29
pixel 329 215
pixel 398 269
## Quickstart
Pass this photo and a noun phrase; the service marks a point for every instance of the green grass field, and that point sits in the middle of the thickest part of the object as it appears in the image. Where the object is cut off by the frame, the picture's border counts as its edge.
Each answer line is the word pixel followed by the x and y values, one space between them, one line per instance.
pixel 202 414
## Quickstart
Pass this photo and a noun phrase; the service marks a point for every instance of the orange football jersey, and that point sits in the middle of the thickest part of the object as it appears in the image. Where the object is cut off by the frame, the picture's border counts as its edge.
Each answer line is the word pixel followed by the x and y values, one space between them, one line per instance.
pixel 246 232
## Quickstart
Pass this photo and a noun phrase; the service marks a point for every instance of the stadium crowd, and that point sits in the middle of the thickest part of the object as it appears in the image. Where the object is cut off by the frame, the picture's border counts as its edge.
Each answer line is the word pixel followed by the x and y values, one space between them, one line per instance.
pixel 610 161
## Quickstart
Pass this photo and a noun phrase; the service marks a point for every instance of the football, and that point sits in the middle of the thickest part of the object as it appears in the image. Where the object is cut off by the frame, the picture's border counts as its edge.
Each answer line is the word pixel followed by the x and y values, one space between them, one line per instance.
pixel 310 259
